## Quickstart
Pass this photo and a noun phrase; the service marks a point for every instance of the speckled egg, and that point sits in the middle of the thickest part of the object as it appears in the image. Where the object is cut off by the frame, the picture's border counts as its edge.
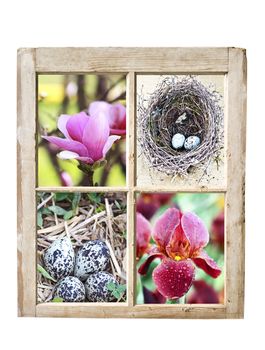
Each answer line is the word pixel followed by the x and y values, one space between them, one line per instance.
pixel 97 287
pixel 192 142
pixel 70 289
pixel 92 257
pixel 59 258
pixel 178 141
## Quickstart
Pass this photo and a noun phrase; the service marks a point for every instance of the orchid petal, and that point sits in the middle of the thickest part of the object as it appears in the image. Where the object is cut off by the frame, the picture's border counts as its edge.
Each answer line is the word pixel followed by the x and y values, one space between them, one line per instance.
pixel 62 121
pixel 109 143
pixel 144 267
pixel 95 135
pixel 195 231
pixel 68 145
pixel 143 234
pixel 165 226
pixel 97 107
pixel 207 264
pixel 76 125
pixel 174 278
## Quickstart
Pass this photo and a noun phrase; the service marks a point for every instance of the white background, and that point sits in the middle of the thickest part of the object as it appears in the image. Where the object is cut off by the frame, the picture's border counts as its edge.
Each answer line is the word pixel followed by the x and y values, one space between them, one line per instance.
pixel 135 23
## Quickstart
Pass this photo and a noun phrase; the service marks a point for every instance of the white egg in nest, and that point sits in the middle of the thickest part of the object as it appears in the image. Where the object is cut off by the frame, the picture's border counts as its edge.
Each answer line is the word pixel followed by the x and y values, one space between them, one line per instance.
pixel 70 289
pixel 59 258
pixel 96 287
pixel 92 257
pixel 192 142
pixel 178 141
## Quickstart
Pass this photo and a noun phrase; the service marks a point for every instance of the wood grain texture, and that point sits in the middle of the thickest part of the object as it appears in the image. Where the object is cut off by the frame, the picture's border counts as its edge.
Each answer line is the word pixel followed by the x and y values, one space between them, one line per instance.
pixel 26 163
pixel 235 196
pixel 138 311
pixel 113 60
pixel 82 189
pixel 130 147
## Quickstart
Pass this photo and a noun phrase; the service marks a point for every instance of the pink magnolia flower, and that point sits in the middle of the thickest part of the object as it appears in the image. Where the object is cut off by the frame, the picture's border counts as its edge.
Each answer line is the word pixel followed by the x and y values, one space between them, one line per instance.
pixel 180 239
pixel 86 137
pixel 116 115
pixel 143 234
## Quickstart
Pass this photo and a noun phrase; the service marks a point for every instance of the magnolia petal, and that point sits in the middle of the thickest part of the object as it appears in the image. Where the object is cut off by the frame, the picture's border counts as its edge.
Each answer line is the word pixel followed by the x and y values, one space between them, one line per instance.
pixel 97 107
pixel 207 264
pixel 118 132
pixel 87 160
pixel 165 226
pixel 109 143
pixel 62 121
pixel 195 231
pixel 73 155
pixel 173 279
pixel 96 135
pixel 76 125
pixel 68 145
pixel 143 234
pixel 67 155
pixel 117 116
pixel 144 267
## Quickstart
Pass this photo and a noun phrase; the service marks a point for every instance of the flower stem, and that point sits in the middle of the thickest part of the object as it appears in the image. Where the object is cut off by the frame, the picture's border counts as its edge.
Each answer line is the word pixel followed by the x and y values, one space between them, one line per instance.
pixel 177 301
pixel 87 169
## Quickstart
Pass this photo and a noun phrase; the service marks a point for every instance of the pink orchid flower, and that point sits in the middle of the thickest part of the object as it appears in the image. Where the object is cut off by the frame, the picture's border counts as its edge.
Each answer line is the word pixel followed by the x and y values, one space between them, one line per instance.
pixel 180 239
pixel 86 137
pixel 116 115
pixel 143 235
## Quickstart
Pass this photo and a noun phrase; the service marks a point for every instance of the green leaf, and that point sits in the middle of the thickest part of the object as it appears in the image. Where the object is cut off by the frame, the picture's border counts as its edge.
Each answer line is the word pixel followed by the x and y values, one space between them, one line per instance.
pixel 57 300
pixel 122 288
pixel 57 210
pixel 68 215
pixel 39 219
pixel 117 204
pixel 76 200
pixel 45 273
pixel 45 211
pixel 94 197
pixel 116 289
pixel 60 196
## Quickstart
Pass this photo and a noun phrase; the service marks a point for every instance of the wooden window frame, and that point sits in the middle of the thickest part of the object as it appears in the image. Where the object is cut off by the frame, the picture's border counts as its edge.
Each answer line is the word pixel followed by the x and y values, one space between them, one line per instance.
pixel 228 61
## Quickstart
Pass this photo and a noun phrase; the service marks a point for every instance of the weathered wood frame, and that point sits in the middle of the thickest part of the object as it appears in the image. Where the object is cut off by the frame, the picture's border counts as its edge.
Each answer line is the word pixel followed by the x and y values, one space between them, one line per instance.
pixel 228 61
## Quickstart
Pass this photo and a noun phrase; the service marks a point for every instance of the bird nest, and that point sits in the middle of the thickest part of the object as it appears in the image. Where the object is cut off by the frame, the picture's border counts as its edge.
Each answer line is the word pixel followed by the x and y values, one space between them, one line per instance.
pixel 180 105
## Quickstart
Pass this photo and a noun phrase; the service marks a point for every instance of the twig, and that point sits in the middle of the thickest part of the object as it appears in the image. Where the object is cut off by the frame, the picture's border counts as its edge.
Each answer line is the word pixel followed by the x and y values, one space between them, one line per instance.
pixel 45 201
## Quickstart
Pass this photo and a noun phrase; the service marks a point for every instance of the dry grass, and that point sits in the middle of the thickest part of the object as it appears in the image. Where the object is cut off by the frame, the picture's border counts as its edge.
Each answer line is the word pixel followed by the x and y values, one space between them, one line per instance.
pixel 93 220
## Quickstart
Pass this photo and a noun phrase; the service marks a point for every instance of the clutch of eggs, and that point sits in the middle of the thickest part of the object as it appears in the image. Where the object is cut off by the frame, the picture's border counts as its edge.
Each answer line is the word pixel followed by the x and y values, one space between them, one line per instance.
pixel 179 141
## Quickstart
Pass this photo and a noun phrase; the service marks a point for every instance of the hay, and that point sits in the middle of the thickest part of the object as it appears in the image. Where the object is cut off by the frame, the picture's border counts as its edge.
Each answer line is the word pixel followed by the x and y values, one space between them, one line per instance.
pixel 161 117
pixel 105 220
